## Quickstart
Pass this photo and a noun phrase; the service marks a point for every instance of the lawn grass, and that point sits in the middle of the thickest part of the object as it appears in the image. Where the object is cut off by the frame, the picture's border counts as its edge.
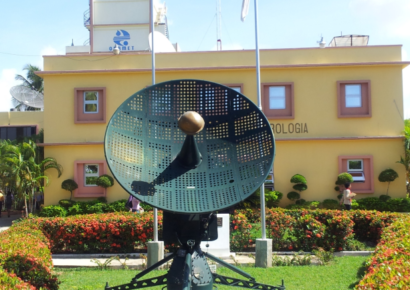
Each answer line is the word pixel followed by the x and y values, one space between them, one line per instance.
pixel 343 273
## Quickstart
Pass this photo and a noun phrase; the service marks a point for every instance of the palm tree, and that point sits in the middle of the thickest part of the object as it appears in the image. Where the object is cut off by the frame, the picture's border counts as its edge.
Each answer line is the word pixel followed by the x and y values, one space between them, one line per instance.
pixel 27 174
pixel 31 80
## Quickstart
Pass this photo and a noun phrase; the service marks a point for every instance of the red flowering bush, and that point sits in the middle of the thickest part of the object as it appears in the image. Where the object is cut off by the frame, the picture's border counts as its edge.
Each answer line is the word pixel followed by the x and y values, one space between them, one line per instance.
pixel 241 236
pixel 25 254
pixel 338 229
pixel 368 225
pixel 98 233
pixel 310 233
pixel 11 281
pixel 389 266
pixel 280 227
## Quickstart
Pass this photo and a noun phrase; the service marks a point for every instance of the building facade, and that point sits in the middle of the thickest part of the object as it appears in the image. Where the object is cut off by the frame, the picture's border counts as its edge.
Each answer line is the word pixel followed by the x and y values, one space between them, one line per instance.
pixel 332 110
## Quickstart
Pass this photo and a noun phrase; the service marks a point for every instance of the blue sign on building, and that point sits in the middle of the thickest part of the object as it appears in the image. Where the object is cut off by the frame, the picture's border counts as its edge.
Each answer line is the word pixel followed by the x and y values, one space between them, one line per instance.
pixel 121 39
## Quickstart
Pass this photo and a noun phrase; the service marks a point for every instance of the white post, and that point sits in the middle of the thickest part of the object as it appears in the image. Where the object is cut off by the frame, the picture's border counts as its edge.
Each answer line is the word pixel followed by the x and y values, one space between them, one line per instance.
pixel 155 248
pixel 153 83
pixel 263 257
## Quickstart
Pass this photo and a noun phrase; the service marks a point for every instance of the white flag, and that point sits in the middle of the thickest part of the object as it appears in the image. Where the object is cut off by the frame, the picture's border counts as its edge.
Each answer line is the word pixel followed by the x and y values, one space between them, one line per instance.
pixel 245 9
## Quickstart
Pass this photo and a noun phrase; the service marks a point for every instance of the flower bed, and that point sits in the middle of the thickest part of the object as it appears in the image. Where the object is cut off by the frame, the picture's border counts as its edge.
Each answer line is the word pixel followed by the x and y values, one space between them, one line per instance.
pixel 389 266
pixel 310 229
pixel 25 259
pixel 98 233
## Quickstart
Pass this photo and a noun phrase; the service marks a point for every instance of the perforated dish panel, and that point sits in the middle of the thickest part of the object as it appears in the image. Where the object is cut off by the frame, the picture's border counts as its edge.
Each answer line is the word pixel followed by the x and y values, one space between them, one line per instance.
pixel 142 141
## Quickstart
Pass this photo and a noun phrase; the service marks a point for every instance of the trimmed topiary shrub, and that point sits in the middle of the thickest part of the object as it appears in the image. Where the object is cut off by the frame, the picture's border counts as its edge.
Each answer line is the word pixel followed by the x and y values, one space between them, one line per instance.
pixel 66 203
pixel 343 178
pixel 300 201
pixel 300 187
pixel 53 211
pixel 293 195
pixel 330 204
pixel 384 197
pixel 69 185
pixel 298 178
pixel 388 175
pixel 105 181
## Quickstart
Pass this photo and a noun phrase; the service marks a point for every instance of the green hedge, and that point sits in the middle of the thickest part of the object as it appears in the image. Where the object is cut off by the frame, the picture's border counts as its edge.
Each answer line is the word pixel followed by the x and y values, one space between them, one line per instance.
pixel 70 208
pixel 389 266
pixel 25 254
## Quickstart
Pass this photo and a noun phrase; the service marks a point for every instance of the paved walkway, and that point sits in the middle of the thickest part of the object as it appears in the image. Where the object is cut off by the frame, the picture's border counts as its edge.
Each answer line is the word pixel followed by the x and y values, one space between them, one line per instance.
pixel 135 261
pixel 5 222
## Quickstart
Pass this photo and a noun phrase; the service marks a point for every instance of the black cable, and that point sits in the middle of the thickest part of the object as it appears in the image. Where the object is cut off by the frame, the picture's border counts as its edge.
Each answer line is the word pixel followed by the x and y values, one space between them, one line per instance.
pixel 207 31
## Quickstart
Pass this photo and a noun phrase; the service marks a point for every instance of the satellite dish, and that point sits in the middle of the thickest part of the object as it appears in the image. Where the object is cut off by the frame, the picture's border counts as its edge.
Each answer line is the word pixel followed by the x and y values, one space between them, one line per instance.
pixel 143 140
pixel 28 96
pixel 189 147
pixel 161 42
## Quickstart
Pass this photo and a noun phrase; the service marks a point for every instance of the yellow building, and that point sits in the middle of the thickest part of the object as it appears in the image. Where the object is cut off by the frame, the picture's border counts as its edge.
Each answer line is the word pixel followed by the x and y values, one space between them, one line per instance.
pixel 332 110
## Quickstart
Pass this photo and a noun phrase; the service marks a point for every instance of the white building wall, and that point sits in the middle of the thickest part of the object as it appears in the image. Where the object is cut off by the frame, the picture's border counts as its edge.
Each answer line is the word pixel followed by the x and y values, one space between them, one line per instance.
pixel 121 11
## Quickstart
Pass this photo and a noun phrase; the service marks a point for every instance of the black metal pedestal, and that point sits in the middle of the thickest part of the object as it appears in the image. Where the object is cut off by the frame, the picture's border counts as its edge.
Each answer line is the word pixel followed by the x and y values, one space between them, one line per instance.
pixel 190 271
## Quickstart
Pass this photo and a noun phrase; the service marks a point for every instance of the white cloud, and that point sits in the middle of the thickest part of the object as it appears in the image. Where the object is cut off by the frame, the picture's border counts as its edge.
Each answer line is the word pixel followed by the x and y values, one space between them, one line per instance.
pixel 389 16
pixel 6 82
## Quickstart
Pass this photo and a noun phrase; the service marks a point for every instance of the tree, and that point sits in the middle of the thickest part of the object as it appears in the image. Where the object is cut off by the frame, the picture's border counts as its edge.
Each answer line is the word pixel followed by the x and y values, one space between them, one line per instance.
pixel 25 173
pixel 70 185
pixel 388 175
pixel 32 81
pixel 300 185
pixel 105 181
pixel 405 161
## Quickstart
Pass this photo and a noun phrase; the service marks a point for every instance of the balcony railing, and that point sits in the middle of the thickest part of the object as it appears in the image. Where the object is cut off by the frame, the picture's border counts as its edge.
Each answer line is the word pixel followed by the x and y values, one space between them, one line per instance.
pixel 87 18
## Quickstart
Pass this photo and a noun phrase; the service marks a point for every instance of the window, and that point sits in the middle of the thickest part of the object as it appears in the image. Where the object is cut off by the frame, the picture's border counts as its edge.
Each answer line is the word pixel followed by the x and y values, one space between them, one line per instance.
pixel 355 168
pixel 361 169
pixel 86 173
pixel 355 165
pixel 353 99
pixel 17 132
pixel 90 102
pixel 91 174
pixel 89 105
pixel 236 87
pixel 277 100
pixel 353 96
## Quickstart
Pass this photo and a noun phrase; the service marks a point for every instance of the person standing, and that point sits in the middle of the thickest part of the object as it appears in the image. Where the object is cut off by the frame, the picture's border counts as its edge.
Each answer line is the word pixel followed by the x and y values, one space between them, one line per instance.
pixel 1 201
pixel 347 197
pixel 9 202
pixel 135 205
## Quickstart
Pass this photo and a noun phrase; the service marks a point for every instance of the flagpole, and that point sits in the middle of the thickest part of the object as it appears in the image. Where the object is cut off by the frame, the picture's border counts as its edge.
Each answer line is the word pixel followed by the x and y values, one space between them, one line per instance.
pixel 153 83
pixel 258 85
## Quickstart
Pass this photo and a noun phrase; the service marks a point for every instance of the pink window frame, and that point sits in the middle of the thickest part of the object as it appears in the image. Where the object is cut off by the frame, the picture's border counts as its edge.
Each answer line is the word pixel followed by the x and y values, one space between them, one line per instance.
pixel 235 85
pixel 341 110
pixel 82 118
pixel 367 173
pixel 290 99
pixel 88 191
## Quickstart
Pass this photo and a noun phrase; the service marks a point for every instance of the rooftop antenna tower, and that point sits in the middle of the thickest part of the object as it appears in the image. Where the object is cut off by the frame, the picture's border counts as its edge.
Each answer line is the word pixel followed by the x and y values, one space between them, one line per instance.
pixel 218 25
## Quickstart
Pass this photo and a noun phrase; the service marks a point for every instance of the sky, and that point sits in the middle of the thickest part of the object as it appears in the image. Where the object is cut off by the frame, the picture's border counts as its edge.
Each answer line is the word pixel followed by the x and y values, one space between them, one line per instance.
pixel 31 29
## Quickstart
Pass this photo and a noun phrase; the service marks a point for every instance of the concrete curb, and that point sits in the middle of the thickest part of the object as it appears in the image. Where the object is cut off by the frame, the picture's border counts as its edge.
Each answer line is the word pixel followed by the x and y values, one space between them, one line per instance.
pixel 135 261
pixel 337 254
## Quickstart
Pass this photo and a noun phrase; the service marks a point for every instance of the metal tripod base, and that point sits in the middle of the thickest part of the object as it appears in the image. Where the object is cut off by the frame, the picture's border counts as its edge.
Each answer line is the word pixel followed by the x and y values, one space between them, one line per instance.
pixel 190 271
